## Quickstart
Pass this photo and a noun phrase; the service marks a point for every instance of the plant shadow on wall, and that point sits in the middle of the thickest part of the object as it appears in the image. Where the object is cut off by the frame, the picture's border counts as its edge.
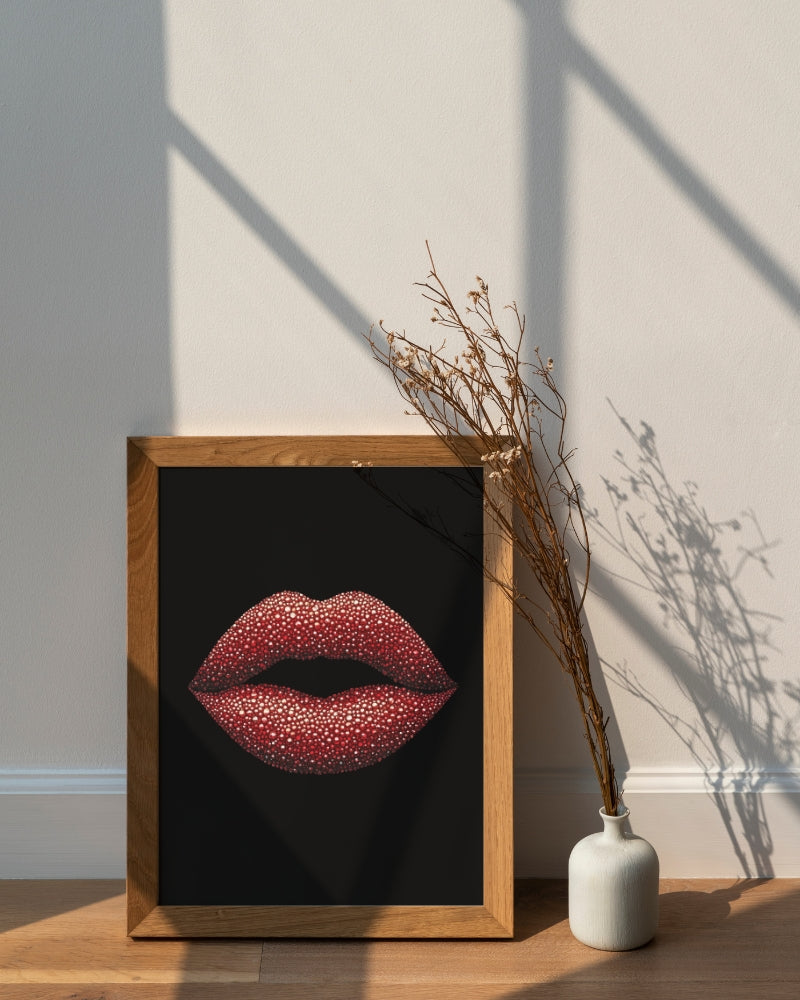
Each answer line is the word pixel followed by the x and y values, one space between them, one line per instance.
pixel 716 645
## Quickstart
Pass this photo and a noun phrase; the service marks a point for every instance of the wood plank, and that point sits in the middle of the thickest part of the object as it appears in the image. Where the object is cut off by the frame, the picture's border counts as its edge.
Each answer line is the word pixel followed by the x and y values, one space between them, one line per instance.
pixel 57 932
pixel 546 991
pixel 142 812
pixel 389 450
pixel 711 933
pixel 717 939
pixel 498 757
pixel 322 921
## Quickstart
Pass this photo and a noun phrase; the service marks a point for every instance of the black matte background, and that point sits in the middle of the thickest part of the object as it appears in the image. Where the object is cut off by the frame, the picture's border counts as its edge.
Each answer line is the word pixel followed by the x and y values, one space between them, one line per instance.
pixel 235 831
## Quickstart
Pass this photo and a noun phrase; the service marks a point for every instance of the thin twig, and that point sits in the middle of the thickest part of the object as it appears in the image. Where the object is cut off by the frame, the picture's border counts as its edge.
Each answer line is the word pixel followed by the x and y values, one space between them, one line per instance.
pixel 516 411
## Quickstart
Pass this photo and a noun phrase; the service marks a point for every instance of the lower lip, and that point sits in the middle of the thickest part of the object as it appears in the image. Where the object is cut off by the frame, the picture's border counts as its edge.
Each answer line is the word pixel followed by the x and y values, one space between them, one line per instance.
pixel 304 734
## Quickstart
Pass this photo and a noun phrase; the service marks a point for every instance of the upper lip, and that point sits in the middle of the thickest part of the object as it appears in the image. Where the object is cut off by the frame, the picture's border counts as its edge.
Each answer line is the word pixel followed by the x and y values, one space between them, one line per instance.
pixel 352 626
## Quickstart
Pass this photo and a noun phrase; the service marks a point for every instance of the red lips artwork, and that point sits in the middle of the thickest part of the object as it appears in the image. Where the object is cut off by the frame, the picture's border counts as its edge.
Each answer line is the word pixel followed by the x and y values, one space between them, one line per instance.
pixel 305 734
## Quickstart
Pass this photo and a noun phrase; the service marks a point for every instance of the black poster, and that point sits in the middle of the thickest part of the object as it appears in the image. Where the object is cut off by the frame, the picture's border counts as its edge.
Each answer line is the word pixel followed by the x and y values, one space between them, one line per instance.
pixel 340 580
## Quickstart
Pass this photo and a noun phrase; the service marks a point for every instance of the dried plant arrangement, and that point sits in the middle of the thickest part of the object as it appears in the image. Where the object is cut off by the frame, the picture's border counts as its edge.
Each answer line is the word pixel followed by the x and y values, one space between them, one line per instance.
pixel 515 410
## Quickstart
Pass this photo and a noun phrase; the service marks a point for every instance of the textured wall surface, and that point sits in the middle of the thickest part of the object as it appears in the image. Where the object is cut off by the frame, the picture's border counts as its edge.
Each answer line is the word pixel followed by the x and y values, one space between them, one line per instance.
pixel 204 207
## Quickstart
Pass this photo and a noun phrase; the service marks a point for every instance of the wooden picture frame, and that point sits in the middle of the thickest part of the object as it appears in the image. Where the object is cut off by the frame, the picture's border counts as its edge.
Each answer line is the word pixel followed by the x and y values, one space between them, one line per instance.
pixel 177 490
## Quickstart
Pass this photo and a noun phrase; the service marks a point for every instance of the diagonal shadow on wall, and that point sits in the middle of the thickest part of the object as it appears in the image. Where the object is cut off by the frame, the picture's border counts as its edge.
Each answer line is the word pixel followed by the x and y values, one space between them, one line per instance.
pixel 211 168
pixel 556 55
pixel 710 205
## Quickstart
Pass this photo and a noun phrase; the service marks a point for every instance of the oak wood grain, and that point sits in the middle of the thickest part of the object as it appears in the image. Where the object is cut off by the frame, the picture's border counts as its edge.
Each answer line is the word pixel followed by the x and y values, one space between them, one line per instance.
pixel 539 991
pixel 322 921
pixel 717 938
pixel 74 932
pixel 321 450
pixel 711 933
pixel 498 768
pixel 142 812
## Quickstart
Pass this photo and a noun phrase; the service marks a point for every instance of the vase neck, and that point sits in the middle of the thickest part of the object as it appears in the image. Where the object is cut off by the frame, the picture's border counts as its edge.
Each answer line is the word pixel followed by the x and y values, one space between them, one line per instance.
pixel 614 826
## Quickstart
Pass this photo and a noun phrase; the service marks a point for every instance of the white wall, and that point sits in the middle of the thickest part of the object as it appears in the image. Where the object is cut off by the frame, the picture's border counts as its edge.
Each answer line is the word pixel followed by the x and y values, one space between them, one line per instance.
pixel 205 204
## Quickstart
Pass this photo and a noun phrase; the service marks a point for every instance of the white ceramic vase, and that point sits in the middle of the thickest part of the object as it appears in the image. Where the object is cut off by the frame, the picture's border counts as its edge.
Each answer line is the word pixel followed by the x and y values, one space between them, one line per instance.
pixel 613 887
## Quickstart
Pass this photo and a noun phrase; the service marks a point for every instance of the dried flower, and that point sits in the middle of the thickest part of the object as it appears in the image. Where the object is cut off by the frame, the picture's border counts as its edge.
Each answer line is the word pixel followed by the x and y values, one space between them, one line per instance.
pixel 486 394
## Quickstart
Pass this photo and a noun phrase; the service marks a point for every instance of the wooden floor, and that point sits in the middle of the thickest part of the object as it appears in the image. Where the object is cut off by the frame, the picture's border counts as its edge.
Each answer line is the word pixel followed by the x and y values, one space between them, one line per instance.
pixel 717 939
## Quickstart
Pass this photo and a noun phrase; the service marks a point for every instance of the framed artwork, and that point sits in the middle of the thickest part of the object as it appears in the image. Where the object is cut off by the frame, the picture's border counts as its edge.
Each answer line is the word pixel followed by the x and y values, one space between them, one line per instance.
pixel 319 690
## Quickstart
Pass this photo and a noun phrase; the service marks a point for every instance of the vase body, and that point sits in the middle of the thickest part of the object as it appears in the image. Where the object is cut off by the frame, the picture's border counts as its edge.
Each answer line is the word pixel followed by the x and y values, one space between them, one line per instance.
pixel 613 888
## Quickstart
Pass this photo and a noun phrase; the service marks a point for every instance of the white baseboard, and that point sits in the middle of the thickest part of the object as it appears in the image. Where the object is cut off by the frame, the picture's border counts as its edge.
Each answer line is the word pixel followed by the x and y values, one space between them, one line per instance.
pixel 63 782
pixel 62 824
pixel 660 780
pixel 71 824
pixel 731 824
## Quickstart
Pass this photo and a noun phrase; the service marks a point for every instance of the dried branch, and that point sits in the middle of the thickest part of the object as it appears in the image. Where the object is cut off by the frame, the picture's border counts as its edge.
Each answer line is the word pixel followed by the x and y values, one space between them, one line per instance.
pixel 516 411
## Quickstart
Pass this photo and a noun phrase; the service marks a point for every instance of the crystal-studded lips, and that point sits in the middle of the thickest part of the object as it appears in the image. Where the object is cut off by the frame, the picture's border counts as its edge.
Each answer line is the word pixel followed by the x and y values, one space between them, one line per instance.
pixel 300 732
